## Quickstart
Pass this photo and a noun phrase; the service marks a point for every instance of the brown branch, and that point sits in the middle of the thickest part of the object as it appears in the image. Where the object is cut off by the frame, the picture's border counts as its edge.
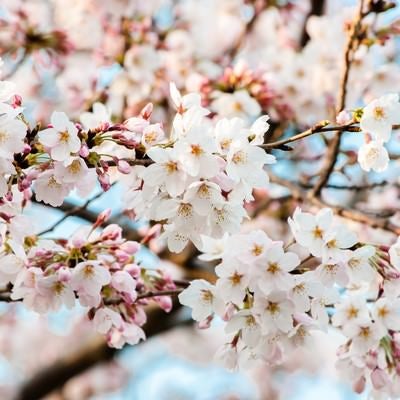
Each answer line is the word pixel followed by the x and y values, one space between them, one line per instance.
pixel 358 216
pixel 334 145
pixel 15 67
pixel 56 375
pixel 316 8
pixel 144 162
pixel 74 211
pixel 258 8
pixel 367 186
pixel 320 127
pixel 354 215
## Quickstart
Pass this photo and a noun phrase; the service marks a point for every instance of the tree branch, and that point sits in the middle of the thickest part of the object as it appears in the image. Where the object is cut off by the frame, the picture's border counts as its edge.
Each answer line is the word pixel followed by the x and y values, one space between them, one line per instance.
pixel 316 8
pixel 56 375
pixel 334 145
pixel 320 127
pixel 72 211
pixel 354 215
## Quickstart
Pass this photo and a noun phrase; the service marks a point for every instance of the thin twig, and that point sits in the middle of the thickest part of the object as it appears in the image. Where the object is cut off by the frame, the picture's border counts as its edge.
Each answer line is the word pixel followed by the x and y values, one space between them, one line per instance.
pixel 14 68
pixel 316 8
pixel 334 145
pixel 320 127
pixel 72 212
pixel 354 215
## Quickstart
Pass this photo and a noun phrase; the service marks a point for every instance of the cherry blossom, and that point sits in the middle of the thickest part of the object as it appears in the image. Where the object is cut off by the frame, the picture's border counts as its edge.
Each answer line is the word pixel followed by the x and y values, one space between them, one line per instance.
pixel 380 115
pixel 373 155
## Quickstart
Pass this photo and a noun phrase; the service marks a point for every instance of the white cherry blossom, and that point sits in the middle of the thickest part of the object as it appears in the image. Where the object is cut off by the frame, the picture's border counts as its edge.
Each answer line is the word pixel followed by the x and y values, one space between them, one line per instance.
pixel 373 156
pixel 202 298
pixel 62 138
pixel 275 312
pixel 245 322
pixel 379 116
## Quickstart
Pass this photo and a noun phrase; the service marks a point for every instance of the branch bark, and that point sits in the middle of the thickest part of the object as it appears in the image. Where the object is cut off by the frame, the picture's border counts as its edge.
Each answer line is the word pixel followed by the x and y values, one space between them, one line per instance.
pixel 55 376
pixel 334 145
pixel 316 8
pixel 354 215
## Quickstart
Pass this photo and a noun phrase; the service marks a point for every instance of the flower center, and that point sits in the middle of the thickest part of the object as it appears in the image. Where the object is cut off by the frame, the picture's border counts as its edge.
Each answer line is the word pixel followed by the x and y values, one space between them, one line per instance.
pixel 185 210
pixel 273 308
pixel 52 183
pixel 332 244
pixel 235 278
pixel 58 287
pixel 207 296
pixel 204 191
pixel 273 268
pixel 373 154
pixel 171 167
pixel 257 250
pixel 64 137
pixel 238 107
pixel 196 150
pixel 3 137
pixel 365 332
pixel 250 320
pixel 88 271
pixel 354 263
pixel 352 312
pixel 74 167
pixel 225 144
pixel 317 232
pixel 379 113
pixel 239 157
pixel 150 137
pixel 383 312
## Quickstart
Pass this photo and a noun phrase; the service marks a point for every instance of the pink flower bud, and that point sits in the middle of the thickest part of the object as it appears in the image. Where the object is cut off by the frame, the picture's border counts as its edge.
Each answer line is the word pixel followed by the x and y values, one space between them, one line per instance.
pixel 9 196
pixel 40 252
pixel 123 167
pixel 136 124
pixel 379 378
pixel 32 175
pixel 84 151
pixel 133 270
pixel 112 232
pixel 130 247
pixel 24 184
pixel 344 118
pixel 122 257
pixel 359 385
pixel 165 302
pixel 104 180
pixel 140 316
pixel 78 242
pixel 104 126
pixel 64 274
pixel 122 281
pixel 16 101
pixel 205 324
pixel 27 193
pixel 27 149
pixel 371 360
pixel 229 311
pixel 152 233
pixel 147 111
pixel 102 217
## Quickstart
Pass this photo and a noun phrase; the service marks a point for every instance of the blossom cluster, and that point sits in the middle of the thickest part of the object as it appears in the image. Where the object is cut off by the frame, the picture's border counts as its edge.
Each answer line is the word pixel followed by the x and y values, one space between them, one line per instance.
pixel 199 181
pixel 272 301
pixel 377 121
pixel 95 267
